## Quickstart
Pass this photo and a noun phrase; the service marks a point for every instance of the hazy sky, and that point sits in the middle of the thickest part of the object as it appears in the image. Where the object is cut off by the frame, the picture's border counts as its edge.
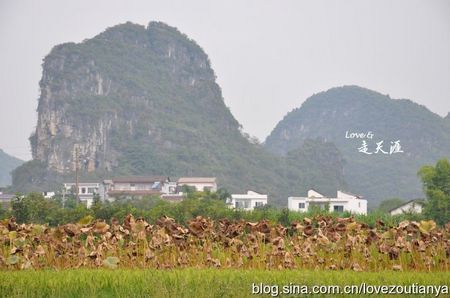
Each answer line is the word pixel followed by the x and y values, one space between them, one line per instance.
pixel 269 56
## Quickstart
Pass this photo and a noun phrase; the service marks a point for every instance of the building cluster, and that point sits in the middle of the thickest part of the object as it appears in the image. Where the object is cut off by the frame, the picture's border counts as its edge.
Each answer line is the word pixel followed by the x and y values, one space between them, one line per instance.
pixel 162 186
pixel 137 186
pixel 131 187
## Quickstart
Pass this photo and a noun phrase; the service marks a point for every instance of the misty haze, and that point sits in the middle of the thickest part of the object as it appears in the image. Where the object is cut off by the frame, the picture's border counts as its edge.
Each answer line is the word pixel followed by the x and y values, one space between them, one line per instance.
pixel 191 135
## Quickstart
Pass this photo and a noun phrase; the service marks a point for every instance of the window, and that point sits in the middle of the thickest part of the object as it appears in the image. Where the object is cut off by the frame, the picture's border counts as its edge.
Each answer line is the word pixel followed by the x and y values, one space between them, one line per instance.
pixel 338 208
pixel 242 204
pixel 83 190
pixel 92 190
pixel 259 204
pixel 301 205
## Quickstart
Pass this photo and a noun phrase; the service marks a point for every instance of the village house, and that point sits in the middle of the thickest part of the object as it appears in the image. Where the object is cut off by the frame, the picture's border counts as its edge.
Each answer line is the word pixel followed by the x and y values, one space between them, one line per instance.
pixel 247 201
pixel 343 202
pixel 49 194
pixel 199 183
pixel 413 206
pixel 86 191
pixel 138 186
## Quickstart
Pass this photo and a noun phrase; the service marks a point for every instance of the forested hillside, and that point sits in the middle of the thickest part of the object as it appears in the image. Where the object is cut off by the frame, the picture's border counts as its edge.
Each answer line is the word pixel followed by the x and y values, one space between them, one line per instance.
pixel 7 164
pixel 341 115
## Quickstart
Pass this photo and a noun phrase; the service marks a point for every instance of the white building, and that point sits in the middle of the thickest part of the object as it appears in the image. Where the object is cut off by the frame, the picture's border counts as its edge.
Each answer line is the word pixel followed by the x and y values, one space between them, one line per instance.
pixel 135 186
pixel 86 191
pixel 200 183
pixel 169 187
pixel 413 206
pixel 247 201
pixel 343 202
pixel 49 194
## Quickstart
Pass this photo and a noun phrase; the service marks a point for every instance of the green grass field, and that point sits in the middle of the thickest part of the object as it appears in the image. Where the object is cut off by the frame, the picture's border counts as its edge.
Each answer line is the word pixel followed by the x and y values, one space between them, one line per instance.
pixel 191 282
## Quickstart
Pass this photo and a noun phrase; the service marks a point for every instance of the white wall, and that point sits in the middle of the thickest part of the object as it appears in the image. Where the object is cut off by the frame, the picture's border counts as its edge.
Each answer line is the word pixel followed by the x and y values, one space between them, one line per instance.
pixel 350 203
pixel 83 185
pixel 251 197
pixel 293 203
pixel 136 186
pixel 251 203
pixel 410 207
pixel 312 193
pixel 169 188
pixel 200 186
pixel 358 206
pixel 343 195
pixel 47 194
pixel 89 202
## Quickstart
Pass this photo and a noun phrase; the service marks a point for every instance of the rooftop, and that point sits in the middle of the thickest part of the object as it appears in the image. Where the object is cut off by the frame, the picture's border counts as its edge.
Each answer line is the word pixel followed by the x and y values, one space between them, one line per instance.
pixel 351 194
pixel 197 180
pixel 83 182
pixel 140 179
pixel 416 201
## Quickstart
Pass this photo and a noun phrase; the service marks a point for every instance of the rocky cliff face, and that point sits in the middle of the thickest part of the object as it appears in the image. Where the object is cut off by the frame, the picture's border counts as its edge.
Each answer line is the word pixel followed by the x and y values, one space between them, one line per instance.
pixel 86 94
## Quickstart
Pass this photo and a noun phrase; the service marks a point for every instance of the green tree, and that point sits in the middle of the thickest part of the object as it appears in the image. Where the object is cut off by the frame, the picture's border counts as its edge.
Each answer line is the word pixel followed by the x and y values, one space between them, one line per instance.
pixel 283 218
pixel 223 194
pixel 33 208
pixel 436 184
pixel 19 209
pixel 3 212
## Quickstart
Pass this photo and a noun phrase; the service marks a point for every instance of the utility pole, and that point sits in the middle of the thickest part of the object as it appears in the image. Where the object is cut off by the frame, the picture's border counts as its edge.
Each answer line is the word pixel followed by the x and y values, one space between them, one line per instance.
pixel 77 180
pixel 64 197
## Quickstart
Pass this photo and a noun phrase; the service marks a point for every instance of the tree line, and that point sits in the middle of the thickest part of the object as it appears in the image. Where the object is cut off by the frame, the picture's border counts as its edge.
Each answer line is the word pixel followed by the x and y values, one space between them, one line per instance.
pixel 34 208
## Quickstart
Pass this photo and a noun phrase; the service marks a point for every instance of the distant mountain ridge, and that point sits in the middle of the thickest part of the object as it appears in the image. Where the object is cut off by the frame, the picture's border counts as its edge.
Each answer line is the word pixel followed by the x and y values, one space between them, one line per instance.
pixel 7 164
pixel 339 112
pixel 138 100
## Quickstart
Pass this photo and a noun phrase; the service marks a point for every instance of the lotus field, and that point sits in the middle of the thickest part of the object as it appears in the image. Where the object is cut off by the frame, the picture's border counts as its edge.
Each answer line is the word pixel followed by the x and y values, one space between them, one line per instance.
pixel 322 242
